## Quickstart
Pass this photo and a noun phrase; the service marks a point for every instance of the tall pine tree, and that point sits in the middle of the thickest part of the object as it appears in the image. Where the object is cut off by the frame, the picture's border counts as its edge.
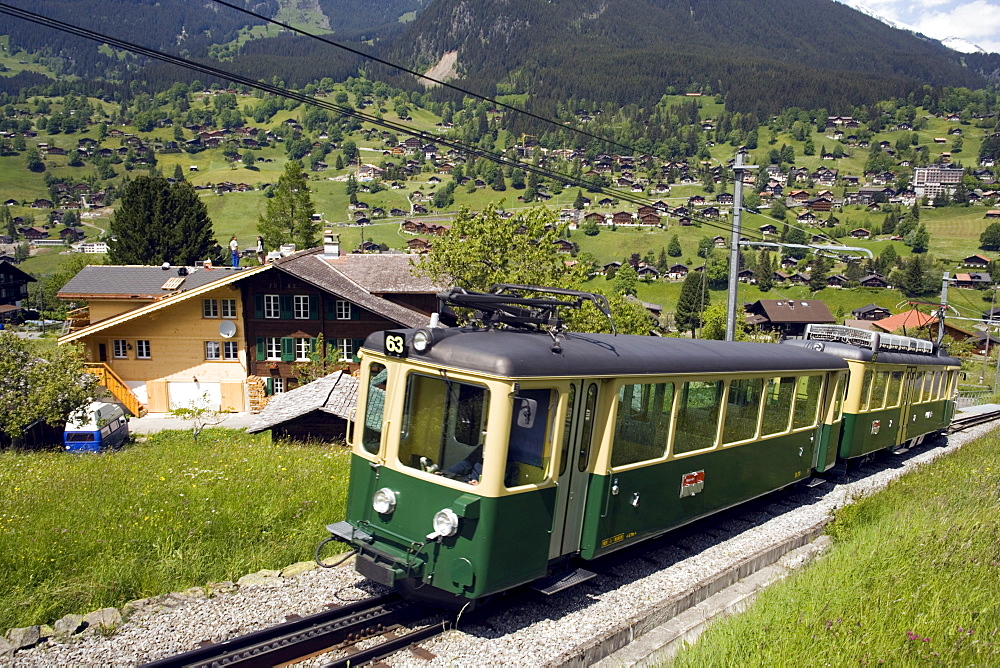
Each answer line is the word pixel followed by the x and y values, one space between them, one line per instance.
pixel 689 305
pixel 288 217
pixel 160 222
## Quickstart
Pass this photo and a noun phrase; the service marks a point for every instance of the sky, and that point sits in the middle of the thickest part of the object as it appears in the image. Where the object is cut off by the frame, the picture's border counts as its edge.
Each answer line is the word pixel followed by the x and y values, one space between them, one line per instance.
pixel 977 21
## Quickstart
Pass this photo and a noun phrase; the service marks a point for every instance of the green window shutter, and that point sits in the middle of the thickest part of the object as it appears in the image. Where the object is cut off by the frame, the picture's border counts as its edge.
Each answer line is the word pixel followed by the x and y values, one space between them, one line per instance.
pixel 357 347
pixel 269 386
pixel 331 309
pixel 355 312
pixel 261 353
pixel 312 345
pixel 314 307
pixel 285 305
pixel 258 306
pixel 287 349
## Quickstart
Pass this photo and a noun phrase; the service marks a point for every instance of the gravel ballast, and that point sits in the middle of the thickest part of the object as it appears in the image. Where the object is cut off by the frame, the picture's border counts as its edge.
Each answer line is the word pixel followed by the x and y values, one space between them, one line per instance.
pixel 539 631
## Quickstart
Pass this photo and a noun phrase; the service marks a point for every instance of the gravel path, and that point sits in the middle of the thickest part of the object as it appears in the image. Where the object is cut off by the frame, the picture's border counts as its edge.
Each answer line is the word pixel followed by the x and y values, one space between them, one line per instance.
pixel 543 631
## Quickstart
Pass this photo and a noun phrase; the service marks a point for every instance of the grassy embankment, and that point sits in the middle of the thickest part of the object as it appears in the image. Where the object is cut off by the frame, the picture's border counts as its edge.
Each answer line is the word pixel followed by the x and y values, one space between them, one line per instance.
pixel 911 580
pixel 79 533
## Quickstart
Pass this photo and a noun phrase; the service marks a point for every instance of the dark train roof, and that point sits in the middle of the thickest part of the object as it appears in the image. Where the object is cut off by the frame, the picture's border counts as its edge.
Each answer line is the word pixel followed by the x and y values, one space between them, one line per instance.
pixel 529 354
pixel 860 354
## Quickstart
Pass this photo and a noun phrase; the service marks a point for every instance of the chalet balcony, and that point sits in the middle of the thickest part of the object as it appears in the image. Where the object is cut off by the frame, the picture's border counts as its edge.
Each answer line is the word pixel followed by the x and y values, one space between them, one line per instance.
pixel 77 319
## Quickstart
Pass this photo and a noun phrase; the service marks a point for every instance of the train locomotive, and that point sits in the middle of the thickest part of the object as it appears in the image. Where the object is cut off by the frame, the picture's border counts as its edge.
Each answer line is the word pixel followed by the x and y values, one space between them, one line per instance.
pixel 510 451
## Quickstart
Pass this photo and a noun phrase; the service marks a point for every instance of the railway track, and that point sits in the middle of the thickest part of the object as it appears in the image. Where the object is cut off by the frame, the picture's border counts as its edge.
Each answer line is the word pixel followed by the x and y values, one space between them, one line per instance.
pixel 368 631
pixel 963 422
pixel 339 629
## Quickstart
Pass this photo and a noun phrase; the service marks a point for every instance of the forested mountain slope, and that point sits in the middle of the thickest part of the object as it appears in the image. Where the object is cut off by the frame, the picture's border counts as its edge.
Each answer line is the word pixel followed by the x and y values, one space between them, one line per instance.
pixel 764 54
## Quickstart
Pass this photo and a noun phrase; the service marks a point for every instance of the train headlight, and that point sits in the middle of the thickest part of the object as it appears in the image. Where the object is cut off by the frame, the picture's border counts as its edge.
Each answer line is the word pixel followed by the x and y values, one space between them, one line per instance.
pixel 445 524
pixel 421 340
pixel 384 501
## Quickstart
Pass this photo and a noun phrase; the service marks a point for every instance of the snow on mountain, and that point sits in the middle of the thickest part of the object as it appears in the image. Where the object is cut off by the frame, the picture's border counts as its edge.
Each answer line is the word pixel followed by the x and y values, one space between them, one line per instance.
pixel 962 45
pixel 954 43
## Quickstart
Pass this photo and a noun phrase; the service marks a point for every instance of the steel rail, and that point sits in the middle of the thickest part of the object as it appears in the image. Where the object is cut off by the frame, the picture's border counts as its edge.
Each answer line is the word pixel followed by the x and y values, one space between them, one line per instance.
pixel 390 646
pixel 968 421
pixel 294 639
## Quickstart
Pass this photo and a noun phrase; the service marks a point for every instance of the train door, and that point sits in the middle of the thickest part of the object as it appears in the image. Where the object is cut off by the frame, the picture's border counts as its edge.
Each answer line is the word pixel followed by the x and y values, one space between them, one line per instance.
pixel 909 396
pixel 574 462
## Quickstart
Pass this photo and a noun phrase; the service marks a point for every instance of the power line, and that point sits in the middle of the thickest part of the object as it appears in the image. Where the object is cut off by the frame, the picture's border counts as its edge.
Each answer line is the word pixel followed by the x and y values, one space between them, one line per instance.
pixel 440 82
pixel 346 111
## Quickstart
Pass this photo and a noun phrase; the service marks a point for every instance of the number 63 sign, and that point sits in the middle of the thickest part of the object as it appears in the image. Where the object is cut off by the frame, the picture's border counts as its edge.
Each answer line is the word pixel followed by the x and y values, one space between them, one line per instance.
pixel 395 344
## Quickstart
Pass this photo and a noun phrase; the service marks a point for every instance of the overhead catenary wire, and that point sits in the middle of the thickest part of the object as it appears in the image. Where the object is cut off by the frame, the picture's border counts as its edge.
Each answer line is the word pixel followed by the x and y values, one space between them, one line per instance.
pixel 346 111
pixel 399 67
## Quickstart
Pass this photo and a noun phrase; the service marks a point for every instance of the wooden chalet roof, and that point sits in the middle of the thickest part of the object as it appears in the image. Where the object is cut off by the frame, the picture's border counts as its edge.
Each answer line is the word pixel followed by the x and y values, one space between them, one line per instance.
pixel 779 311
pixel 335 394
pixel 8 269
pixel 361 279
pixel 139 282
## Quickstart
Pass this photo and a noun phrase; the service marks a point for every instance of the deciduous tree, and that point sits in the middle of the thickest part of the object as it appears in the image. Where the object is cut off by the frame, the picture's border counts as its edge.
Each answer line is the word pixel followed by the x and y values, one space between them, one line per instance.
pixel 46 386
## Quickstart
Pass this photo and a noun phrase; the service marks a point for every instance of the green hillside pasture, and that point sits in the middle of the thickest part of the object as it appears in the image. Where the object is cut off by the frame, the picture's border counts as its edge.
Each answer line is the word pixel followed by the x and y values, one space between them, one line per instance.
pixel 45 261
pixel 907 582
pixel 955 231
pixel 18 183
pixel 79 533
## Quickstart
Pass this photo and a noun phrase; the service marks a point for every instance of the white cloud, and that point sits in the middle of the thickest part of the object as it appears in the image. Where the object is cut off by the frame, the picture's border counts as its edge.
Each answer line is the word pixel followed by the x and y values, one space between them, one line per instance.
pixel 977 21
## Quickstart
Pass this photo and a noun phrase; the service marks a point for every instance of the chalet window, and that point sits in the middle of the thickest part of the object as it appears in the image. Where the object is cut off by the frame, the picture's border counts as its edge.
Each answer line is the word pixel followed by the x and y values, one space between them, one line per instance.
pixel 209 308
pixel 143 350
pixel 119 348
pixel 303 346
pixel 228 308
pixel 272 346
pixel 345 350
pixel 230 350
pixel 343 310
pixel 272 306
pixel 301 307
pixel 278 385
pixel 212 350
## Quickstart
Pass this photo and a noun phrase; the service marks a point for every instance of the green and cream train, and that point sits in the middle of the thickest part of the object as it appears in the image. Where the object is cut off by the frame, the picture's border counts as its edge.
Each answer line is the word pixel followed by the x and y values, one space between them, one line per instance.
pixel 510 451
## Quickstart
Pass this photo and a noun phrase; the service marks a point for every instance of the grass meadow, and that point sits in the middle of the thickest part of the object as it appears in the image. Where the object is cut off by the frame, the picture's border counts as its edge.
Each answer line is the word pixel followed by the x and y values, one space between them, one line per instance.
pixel 79 533
pixel 911 581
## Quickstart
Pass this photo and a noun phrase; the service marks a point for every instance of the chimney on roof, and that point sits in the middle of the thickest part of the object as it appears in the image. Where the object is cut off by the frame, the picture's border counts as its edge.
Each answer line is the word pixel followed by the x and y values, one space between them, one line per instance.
pixel 331 244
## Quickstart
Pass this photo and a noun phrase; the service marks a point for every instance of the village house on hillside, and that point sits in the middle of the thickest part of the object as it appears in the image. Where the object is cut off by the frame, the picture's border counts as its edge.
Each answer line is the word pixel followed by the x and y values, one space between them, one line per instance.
pixel 788 317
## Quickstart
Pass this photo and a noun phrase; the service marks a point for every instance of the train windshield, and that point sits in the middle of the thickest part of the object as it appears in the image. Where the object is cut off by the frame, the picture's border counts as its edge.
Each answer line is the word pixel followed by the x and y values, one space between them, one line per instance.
pixel 444 427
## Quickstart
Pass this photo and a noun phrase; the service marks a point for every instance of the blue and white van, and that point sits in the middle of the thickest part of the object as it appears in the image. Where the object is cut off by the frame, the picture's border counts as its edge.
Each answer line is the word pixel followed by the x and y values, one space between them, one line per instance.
pixel 102 426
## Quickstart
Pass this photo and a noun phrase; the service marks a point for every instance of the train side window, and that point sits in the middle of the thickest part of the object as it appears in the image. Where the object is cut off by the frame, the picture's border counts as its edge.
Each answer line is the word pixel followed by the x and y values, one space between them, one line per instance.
pixel 866 386
pixel 589 414
pixel 371 436
pixel 879 387
pixel 808 390
pixel 927 385
pixel 838 398
pixel 567 430
pixel 777 405
pixel 895 385
pixel 529 448
pixel 642 426
pixel 697 415
pixel 917 385
pixel 742 409
pixel 443 426
pixel 936 389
